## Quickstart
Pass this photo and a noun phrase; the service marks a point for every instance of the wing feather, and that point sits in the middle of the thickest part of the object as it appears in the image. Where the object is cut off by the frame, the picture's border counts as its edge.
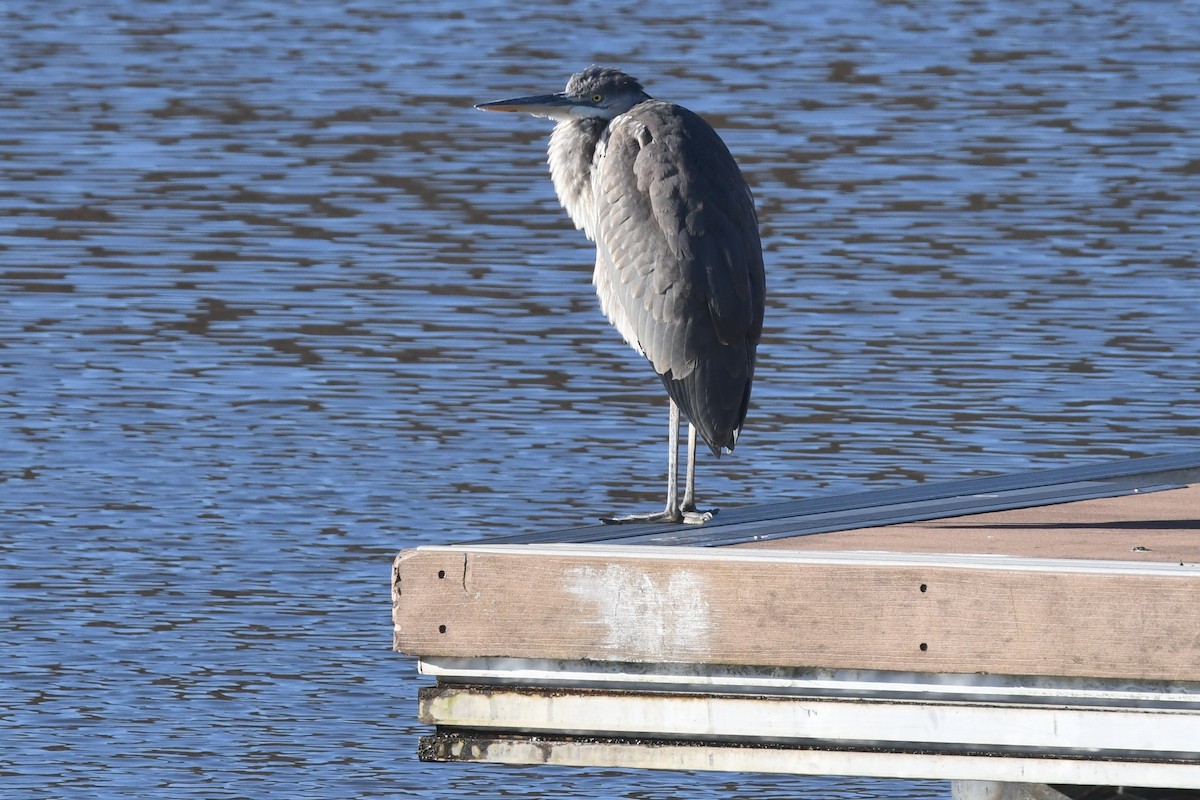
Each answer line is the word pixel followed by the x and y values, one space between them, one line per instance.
pixel 679 263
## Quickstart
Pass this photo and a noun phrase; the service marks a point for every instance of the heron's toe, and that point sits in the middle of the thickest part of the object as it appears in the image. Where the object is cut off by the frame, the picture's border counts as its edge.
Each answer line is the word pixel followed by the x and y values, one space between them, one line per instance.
pixel 697 517
pixel 656 516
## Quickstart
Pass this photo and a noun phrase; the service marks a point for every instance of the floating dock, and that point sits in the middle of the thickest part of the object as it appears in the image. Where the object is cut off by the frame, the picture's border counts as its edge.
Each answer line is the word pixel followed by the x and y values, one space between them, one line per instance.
pixel 1038 628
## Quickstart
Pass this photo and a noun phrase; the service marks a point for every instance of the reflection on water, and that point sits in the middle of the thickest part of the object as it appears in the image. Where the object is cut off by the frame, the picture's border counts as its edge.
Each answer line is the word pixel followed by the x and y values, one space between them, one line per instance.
pixel 276 302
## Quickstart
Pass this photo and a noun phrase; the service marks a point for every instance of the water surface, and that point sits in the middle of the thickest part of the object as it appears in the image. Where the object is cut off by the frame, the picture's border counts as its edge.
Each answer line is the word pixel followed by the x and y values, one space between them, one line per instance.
pixel 276 302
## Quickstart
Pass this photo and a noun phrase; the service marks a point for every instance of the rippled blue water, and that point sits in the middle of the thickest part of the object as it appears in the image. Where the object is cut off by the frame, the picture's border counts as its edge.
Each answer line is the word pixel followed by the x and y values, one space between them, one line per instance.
pixel 276 302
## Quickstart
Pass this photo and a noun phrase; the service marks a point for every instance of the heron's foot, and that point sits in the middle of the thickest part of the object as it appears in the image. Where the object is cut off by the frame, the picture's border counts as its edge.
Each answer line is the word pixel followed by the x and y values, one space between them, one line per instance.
pixel 653 516
pixel 689 517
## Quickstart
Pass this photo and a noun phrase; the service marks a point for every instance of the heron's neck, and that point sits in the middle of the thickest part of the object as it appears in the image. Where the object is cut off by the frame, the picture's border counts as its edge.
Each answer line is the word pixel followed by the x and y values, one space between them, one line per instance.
pixel 572 152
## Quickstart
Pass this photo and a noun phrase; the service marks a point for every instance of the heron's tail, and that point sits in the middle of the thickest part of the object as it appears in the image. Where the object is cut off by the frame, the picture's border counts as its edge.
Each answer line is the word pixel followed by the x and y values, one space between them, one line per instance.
pixel 716 394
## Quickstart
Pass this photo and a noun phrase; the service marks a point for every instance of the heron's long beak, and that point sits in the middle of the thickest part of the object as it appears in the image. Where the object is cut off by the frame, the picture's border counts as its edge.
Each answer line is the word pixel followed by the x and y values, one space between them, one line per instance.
pixel 541 104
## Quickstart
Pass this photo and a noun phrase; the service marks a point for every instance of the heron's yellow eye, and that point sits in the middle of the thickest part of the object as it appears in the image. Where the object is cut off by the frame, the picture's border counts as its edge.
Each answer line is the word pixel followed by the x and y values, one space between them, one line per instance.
pixel 596 98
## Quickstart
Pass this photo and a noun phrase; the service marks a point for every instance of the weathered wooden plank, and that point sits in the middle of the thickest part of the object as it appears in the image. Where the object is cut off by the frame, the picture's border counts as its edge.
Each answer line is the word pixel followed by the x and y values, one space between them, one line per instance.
pixel 705 606
pixel 1159 526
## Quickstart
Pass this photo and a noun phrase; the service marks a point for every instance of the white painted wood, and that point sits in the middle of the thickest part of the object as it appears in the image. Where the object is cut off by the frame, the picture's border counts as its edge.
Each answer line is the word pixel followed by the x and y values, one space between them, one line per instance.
pixel 642 615
pixel 1018 769
pixel 945 727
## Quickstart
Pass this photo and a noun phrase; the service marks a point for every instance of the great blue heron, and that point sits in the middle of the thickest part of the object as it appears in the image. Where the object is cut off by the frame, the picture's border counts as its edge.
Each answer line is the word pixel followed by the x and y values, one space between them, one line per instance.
pixel 679 267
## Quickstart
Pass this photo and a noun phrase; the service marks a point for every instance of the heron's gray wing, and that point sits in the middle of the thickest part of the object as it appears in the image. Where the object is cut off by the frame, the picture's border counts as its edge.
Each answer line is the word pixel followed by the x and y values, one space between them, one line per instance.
pixel 678 243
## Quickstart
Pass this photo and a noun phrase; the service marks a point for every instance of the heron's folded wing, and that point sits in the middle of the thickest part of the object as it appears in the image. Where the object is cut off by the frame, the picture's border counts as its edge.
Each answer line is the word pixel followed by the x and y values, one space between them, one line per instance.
pixel 678 234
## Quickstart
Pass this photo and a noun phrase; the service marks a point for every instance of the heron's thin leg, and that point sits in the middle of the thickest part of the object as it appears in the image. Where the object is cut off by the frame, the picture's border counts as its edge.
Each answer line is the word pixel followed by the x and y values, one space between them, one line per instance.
pixel 688 510
pixel 672 512
pixel 689 487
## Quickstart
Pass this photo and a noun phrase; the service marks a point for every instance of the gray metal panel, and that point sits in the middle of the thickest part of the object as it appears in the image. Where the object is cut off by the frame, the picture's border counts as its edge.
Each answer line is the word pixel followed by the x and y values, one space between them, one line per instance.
pixel 891 506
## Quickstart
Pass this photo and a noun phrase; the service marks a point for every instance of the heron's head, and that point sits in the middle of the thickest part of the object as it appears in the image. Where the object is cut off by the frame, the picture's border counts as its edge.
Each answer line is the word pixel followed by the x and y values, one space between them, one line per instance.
pixel 596 92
